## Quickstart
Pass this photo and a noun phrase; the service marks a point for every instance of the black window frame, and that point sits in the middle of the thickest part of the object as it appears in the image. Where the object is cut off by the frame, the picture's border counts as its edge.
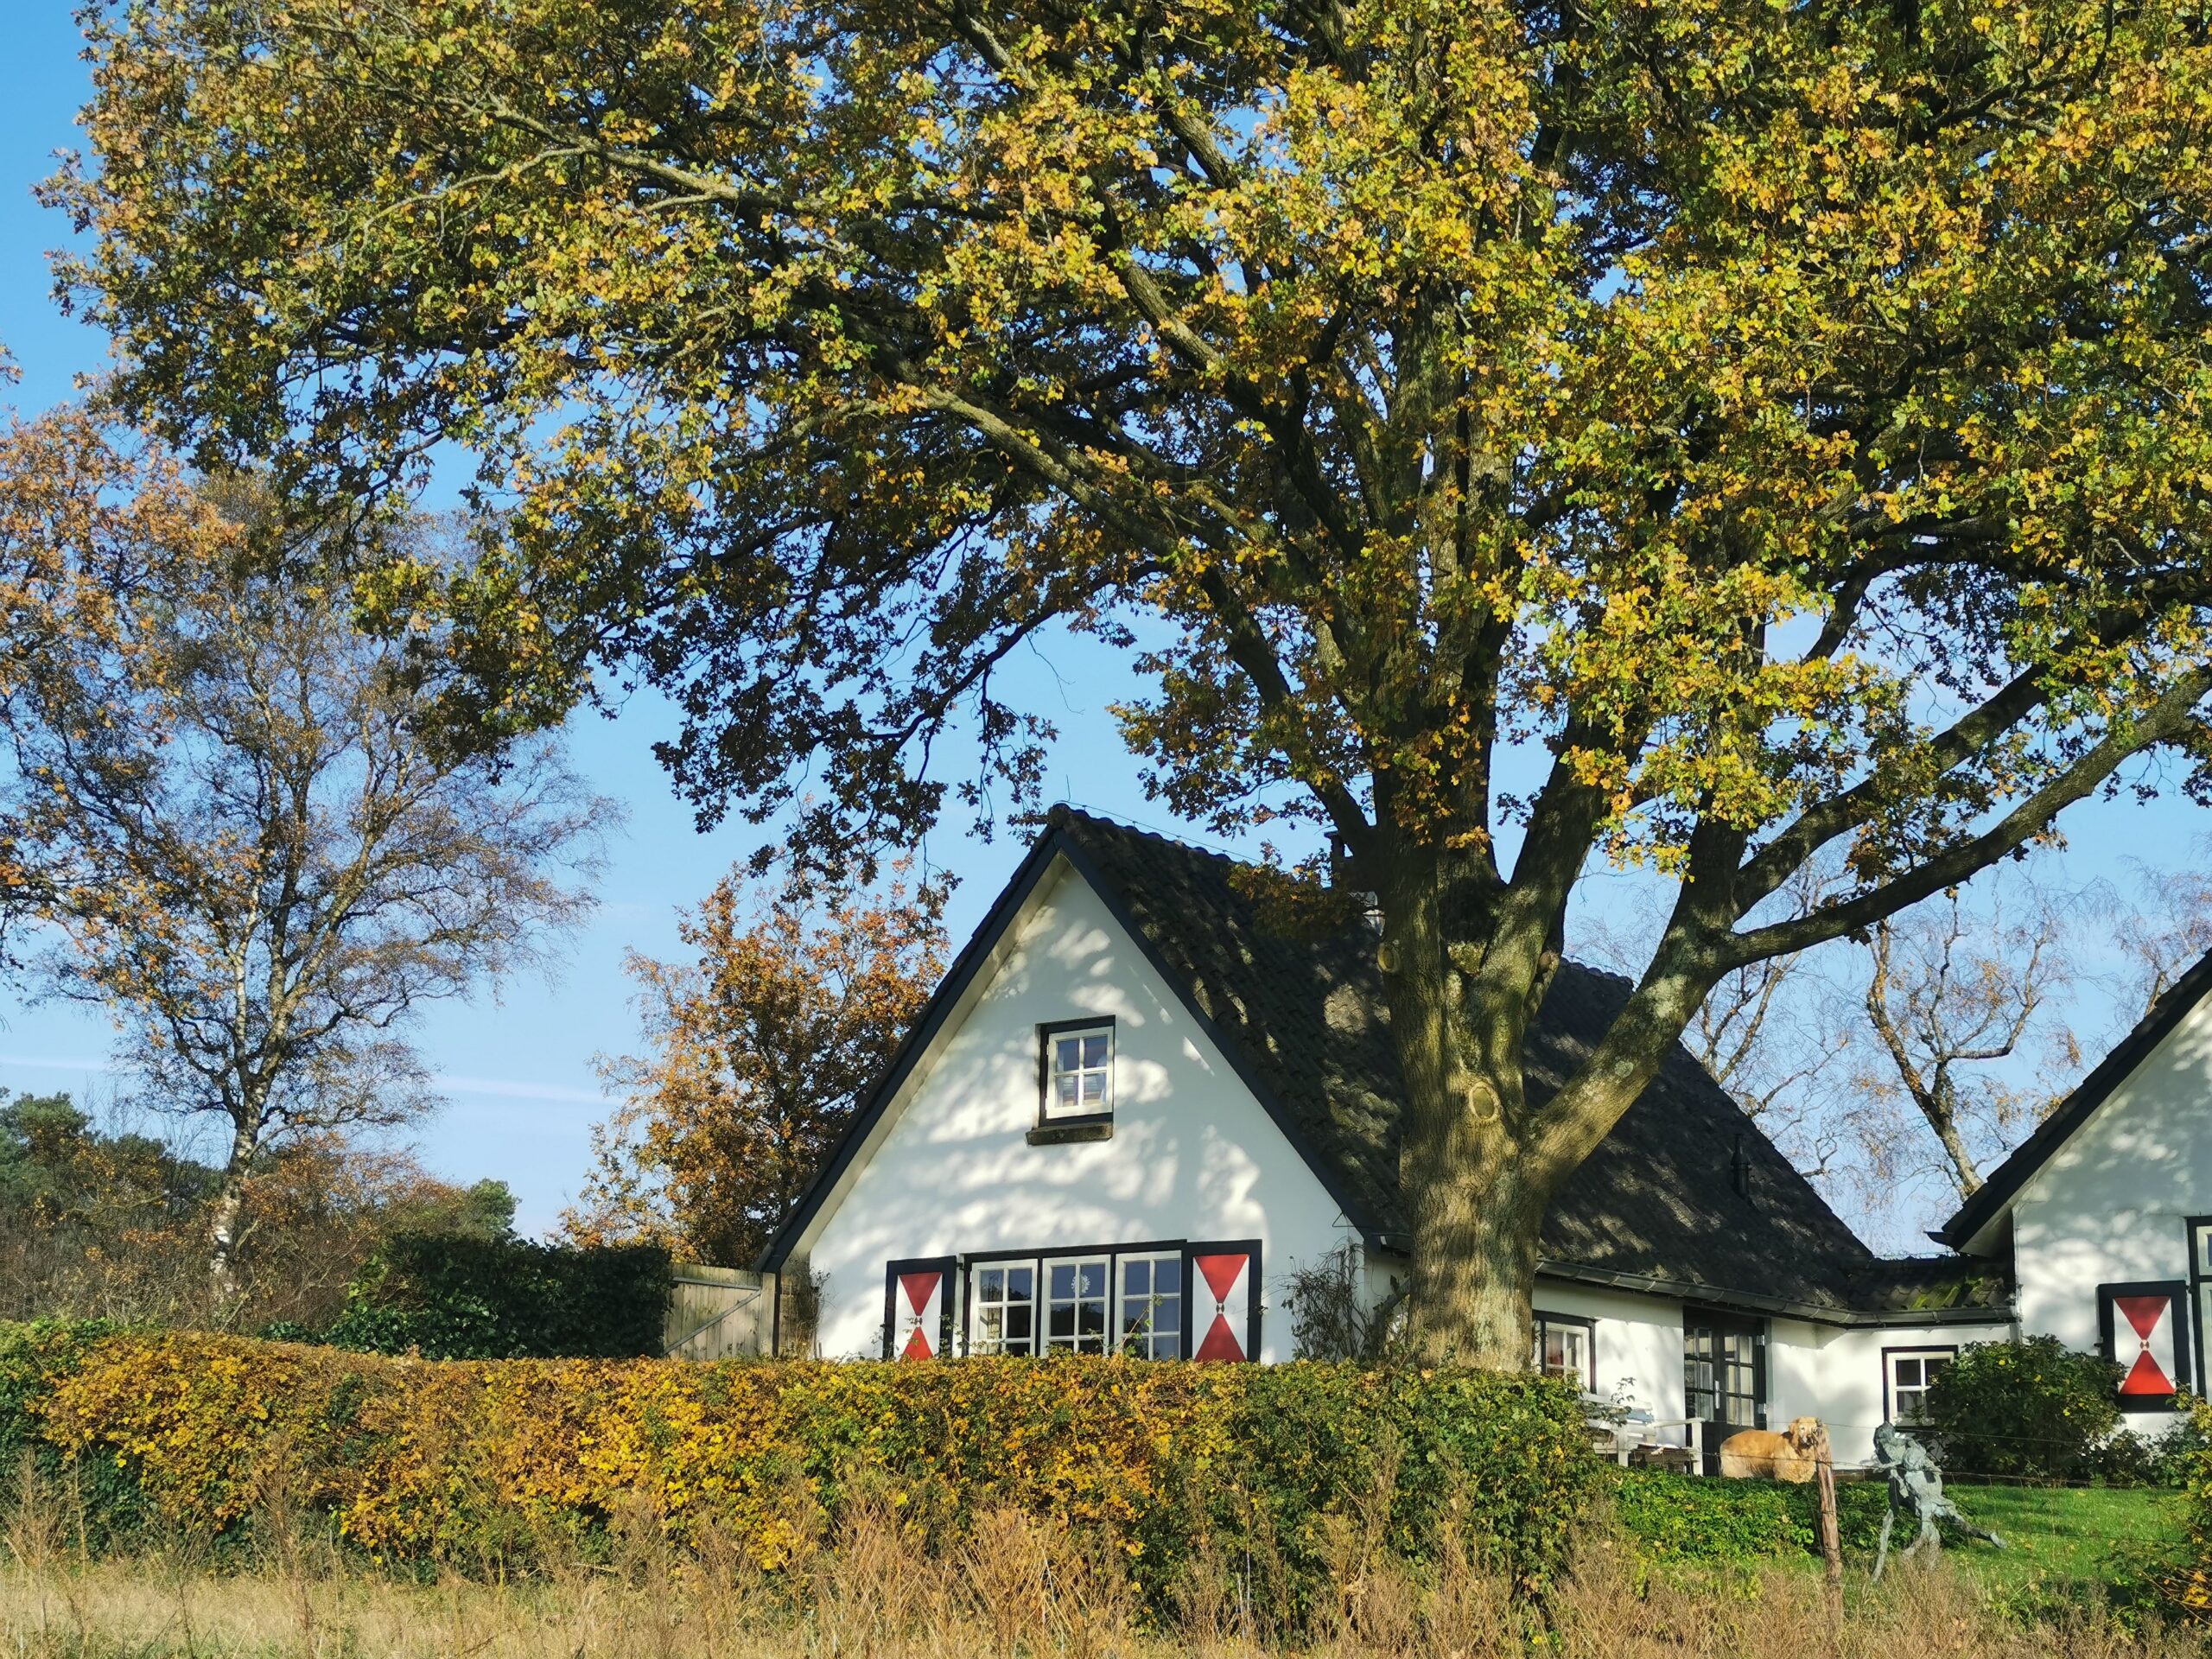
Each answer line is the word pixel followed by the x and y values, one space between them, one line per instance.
pixel 1046 1031
pixel 1186 1249
pixel 1539 1319
pixel 1723 1323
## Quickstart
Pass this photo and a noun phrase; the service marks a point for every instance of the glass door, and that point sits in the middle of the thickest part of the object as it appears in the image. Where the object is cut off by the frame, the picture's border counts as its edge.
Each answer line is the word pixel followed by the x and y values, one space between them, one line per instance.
pixel 1724 1374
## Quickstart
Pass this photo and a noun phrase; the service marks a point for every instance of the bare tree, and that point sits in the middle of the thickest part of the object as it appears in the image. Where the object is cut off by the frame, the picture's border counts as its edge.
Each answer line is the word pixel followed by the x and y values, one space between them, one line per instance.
pixel 1957 999
pixel 224 815
pixel 2163 935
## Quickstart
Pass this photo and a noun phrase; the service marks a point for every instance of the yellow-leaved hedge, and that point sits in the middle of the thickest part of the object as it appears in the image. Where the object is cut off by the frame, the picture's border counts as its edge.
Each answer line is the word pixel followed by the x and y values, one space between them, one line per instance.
pixel 1167 1464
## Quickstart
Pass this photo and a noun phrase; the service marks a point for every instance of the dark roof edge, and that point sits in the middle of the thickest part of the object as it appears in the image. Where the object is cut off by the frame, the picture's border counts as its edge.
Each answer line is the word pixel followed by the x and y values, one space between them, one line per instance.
pixel 1813 1313
pixel 908 1054
pixel 2030 1156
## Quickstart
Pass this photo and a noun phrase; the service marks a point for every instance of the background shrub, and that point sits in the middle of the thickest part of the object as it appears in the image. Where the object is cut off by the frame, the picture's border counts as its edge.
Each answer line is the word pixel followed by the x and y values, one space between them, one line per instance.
pixel 2033 1408
pixel 1690 1518
pixel 451 1296
pixel 1190 1474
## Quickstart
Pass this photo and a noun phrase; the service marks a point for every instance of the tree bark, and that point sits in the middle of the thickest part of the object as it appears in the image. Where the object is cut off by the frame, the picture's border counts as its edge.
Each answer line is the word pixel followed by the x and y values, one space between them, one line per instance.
pixel 226 1216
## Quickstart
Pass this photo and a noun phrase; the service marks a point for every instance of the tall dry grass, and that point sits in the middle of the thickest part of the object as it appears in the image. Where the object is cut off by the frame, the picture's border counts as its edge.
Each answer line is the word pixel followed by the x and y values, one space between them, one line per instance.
pixel 1015 1588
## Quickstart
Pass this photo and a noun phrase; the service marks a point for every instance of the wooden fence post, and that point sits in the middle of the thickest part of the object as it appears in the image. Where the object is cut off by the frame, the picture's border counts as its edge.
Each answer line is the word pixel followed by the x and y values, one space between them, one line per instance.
pixel 1831 1533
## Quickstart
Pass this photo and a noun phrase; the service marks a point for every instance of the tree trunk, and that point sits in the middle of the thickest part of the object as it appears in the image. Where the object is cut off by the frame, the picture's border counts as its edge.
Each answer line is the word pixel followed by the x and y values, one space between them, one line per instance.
pixel 226 1221
pixel 1463 1166
pixel 1475 1239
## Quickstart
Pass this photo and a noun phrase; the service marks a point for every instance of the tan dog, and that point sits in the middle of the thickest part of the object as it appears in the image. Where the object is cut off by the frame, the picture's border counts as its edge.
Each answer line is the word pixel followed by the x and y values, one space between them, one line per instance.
pixel 1794 1455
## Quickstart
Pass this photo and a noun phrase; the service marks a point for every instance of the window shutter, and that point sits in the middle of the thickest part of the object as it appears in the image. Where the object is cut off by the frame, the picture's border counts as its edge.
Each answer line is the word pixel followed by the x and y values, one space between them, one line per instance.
pixel 917 1308
pixel 1223 1301
pixel 2142 1329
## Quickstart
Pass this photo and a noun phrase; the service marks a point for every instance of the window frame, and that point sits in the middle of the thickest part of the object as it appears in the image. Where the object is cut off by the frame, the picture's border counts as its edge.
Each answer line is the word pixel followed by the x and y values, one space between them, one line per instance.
pixel 970 1306
pixel 1047 1301
pixel 1047 1033
pixel 1182 1249
pixel 1587 1325
pixel 1946 1351
pixel 1723 1325
pixel 2198 1230
pixel 1121 1338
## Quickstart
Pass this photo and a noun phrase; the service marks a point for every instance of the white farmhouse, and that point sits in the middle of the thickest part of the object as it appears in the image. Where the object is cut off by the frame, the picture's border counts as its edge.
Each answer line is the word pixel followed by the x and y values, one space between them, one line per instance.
pixel 1133 1112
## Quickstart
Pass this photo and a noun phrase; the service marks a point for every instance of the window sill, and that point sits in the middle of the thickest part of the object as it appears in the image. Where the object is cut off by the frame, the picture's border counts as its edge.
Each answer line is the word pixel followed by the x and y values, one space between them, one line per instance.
pixel 1064 1132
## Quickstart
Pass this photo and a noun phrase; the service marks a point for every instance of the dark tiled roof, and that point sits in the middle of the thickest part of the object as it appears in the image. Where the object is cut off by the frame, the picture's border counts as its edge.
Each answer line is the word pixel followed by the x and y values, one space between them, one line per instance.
pixel 1933 1284
pixel 1658 1200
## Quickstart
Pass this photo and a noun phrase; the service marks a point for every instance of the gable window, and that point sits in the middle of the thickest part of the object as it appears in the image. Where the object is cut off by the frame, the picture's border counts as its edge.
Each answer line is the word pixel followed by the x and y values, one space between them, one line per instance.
pixel 1906 1375
pixel 1002 1308
pixel 1566 1346
pixel 1150 1323
pixel 1078 1071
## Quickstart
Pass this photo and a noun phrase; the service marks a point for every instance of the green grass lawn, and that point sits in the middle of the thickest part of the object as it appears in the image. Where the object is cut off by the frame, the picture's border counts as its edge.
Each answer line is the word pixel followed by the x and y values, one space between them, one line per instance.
pixel 2054 1537
pixel 2054 1533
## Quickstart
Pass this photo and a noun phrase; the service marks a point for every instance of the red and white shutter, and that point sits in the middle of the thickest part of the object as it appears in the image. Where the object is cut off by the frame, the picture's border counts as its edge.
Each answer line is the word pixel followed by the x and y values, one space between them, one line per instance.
pixel 2143 1334
pixel 1225 1300
pixel 917 1308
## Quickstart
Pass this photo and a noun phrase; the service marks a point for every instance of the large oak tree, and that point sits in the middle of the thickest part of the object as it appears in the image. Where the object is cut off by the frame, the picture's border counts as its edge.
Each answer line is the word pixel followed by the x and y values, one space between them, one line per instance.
pixel 1790 421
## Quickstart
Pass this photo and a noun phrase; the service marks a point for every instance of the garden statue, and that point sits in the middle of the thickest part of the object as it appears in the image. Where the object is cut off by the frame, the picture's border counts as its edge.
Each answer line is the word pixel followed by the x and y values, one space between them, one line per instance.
pixel 1915 1484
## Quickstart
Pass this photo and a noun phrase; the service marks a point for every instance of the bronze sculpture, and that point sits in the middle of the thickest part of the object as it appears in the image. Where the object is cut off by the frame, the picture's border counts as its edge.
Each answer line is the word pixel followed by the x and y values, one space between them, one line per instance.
pixel 1916 1483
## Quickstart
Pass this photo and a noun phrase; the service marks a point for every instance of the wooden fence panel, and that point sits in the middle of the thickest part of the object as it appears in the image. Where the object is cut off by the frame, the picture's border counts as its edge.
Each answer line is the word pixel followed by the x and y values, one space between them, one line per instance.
pixel 719 1313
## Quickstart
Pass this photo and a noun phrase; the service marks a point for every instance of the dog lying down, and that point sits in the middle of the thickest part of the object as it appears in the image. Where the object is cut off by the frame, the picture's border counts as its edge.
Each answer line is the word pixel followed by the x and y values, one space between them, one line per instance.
pixel 1794 1455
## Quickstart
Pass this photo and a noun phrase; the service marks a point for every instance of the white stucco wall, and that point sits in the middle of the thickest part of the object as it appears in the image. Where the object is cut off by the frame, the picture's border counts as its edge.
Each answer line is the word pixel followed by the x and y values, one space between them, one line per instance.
pixel 1639 1344
pixel 1836 1374
pixel 948 1170
pixel 2108 1207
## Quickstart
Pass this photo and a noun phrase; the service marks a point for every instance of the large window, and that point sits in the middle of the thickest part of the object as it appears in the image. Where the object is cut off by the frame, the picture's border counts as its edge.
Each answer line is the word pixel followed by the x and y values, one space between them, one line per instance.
pixel 1566 1346
pixel 1723 1370
pixel 1907 1373
pixel 1078 1071
pixel 1002 1308
pixel 1150 1323
pixel 1138 1299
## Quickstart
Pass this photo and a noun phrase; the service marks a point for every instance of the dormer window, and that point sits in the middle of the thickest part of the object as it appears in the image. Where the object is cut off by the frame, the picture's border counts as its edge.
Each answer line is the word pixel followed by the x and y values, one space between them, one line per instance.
pixel 1079 1072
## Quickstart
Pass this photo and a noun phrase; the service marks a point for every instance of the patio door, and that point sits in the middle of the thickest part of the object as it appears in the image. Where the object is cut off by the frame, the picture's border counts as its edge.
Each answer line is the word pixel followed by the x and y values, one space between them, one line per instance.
pixel 1724 1376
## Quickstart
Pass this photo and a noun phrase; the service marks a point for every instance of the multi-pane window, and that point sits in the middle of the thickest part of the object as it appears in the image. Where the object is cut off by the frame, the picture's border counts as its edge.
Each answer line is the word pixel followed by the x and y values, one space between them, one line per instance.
pixel 1079 1072
pixel 1911 1371
pixel 1002 1308
pixel 1720 1372
pixel 1563 1348
pixel 1075 1304
pixel 1150 1322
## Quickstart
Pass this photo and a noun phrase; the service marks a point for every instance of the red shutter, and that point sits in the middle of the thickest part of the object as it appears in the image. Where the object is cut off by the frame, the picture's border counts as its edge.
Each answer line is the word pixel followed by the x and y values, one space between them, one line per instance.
pixel 1225 1300
pixel 917 1308
pixel 2142 1329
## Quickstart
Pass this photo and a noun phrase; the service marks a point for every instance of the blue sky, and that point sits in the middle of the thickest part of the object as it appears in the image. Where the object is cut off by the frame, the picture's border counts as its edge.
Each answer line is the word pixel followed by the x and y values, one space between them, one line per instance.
pixel 517 1067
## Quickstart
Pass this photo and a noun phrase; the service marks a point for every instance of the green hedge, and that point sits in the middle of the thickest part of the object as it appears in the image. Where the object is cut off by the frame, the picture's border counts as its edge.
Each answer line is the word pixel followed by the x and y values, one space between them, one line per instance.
pixel 1248 1479
pixel 1688 1518
pixel 452 1296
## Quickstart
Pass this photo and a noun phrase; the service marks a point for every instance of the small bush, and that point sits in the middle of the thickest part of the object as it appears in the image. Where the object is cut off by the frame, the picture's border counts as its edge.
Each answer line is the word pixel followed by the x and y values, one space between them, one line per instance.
pixel 2030 1409
pixel 1700 1520
pixel 452 1296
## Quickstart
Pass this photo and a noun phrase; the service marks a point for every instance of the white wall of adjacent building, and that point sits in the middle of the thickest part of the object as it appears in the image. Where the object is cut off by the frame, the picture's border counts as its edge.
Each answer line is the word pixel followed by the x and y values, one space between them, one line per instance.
pixel 2112 1204
pixel 948 1170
